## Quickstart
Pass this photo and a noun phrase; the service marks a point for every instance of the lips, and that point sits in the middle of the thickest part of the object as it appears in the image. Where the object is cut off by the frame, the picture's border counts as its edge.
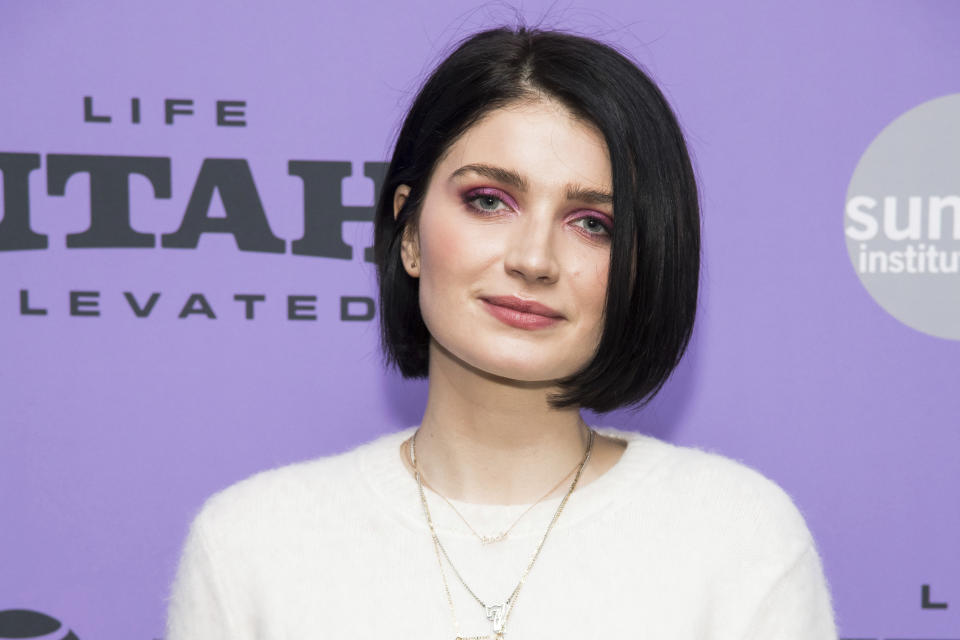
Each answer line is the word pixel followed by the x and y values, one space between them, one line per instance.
pixel 526 306
pixel 521 314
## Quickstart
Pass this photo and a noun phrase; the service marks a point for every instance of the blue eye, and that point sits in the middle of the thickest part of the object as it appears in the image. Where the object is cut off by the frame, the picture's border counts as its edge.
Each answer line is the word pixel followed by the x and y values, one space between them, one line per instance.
pixel 595 226
pixel 486 199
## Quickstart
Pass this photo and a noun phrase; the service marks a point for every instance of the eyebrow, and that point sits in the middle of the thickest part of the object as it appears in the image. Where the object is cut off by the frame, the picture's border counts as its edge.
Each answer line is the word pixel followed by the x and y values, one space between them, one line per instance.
pixel 514 179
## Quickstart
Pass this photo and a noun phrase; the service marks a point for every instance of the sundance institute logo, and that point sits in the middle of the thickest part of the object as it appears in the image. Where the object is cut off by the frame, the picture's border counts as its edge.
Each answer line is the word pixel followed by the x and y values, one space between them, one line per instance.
pixel 902 219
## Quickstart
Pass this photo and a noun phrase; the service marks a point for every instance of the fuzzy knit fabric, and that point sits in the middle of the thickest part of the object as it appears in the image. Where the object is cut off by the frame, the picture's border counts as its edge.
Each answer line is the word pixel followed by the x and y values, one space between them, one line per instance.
pixel 672 542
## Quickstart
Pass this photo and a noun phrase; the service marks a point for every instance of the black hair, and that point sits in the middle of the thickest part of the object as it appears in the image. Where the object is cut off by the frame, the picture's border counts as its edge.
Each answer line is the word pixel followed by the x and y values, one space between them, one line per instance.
pixel 651 296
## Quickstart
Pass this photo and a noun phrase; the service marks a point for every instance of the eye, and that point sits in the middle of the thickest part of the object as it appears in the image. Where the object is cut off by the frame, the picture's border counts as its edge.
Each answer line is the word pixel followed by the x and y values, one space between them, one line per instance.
pixel 485 201
pixel 594 225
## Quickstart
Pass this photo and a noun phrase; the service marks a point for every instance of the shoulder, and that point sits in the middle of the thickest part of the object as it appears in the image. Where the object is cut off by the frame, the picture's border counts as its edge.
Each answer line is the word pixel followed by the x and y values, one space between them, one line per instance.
pixel 716 497
pixel 268 503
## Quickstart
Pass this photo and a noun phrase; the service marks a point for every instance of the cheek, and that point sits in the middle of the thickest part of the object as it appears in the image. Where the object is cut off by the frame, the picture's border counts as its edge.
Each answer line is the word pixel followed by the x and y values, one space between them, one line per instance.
pixel 598 302
pixel 451 247
pixel 589 280
pixel 452 255
pixel 440 245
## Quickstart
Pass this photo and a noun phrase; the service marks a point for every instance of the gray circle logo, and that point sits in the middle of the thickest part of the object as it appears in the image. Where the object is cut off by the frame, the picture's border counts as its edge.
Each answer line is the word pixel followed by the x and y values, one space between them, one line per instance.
pixel 902 218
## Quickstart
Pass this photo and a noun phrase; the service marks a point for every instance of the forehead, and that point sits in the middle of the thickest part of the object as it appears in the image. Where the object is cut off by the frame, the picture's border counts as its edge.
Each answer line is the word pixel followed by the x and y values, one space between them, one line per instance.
pixel 540 139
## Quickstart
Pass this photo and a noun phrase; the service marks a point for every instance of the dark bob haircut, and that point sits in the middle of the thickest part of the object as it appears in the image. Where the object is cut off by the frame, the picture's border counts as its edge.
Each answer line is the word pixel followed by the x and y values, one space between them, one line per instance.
pixel 651 296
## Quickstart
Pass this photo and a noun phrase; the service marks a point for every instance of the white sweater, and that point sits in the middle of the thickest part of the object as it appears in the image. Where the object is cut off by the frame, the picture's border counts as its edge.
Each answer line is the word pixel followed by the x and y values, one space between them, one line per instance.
pixel 671 543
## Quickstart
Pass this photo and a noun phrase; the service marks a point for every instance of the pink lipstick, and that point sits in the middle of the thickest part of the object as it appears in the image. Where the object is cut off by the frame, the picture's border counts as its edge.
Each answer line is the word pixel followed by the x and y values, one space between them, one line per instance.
pixel 520 313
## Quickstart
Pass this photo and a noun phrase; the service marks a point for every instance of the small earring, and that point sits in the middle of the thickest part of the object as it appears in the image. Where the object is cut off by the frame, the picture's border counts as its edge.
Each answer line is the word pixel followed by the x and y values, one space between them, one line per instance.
pixel 413 265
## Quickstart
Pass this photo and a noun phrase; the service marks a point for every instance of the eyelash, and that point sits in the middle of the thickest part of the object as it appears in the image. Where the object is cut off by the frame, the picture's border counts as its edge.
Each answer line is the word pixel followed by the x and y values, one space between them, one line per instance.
pixel 470 196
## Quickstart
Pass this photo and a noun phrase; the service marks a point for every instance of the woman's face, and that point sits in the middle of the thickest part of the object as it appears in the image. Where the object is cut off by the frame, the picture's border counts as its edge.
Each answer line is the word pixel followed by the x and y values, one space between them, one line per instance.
pixel 519 210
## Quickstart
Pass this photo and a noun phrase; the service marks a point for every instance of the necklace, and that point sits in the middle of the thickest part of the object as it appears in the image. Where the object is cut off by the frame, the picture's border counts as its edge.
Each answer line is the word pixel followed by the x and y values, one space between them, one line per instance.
pixel 497 614
pixel 503 534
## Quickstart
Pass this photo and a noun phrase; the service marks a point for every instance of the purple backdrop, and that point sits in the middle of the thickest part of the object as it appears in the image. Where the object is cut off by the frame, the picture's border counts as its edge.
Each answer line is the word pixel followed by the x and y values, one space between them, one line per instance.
pixel 114 427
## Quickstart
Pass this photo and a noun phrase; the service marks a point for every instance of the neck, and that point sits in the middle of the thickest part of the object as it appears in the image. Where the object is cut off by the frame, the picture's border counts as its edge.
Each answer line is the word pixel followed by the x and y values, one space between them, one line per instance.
pixel 491 440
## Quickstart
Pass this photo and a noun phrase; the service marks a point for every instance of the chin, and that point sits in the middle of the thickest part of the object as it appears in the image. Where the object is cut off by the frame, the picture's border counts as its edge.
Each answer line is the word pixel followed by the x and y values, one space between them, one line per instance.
pixel 508 360
pixel 518 366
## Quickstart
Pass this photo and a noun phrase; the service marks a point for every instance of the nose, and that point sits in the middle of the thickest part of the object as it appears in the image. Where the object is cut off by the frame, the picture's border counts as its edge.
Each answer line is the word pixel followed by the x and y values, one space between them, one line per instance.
pixel 530 252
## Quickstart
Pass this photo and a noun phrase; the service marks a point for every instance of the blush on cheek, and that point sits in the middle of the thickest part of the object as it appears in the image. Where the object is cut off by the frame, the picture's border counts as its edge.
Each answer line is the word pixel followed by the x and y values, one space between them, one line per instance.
pixel 451 246
pixel 441 261
pixel 590 275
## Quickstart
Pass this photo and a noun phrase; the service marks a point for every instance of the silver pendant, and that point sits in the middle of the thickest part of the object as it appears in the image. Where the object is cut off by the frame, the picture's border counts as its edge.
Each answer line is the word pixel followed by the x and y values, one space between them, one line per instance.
pixel 495 615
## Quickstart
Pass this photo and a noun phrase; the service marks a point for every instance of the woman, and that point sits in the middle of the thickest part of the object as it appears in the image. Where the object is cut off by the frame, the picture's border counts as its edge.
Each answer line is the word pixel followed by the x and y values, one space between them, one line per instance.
pixel 537 242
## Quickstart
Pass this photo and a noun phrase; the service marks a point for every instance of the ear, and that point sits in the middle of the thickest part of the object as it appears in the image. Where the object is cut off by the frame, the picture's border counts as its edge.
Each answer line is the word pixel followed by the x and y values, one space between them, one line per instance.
pixel 410 245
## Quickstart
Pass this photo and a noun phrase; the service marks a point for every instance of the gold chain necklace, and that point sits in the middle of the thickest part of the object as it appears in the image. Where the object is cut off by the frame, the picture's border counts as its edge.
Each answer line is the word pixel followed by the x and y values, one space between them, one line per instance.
pixel 503 534
pixel 497 614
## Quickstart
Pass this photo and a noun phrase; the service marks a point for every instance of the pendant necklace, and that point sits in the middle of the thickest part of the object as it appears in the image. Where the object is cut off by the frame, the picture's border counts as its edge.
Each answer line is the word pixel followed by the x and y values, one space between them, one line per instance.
pixel 497 614
pixel 503 534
